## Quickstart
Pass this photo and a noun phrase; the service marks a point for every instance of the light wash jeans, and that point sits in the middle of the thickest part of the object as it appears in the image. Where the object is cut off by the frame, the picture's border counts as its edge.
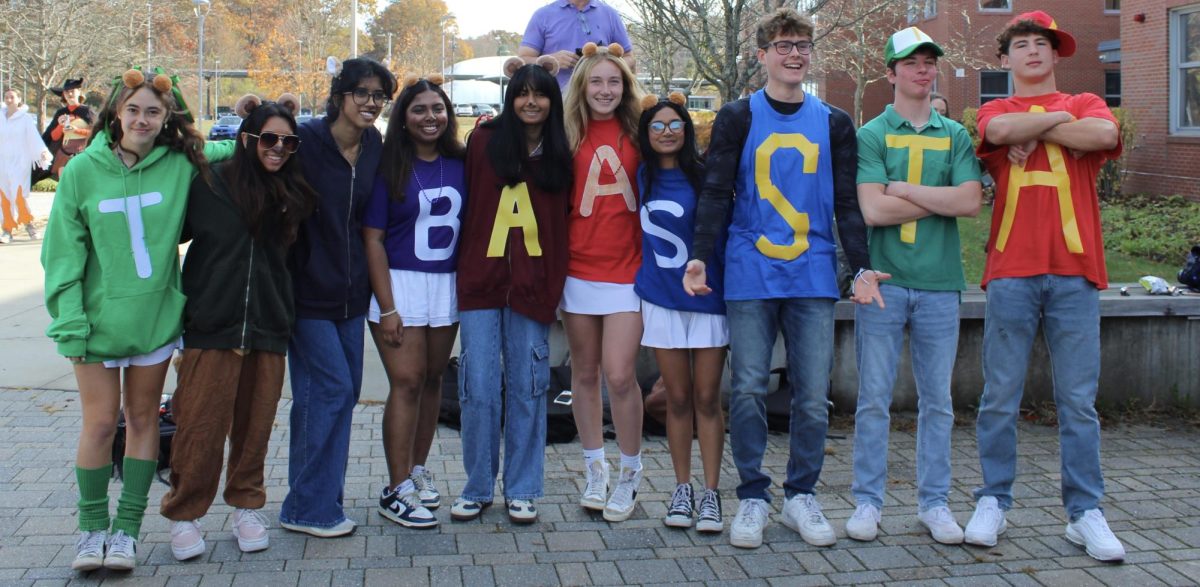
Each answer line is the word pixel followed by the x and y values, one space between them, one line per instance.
pixel 1068 309
pixel 325 361
pixel 485 336
pixel 807 325
pixel 931 318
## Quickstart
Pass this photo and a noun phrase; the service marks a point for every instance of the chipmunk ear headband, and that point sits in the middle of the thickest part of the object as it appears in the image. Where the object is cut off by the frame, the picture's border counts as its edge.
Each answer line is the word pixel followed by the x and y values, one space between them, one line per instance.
pixel 651 101
pixel 436 79
pixel 614 49
pixel 161 83
pixel 249 103
pixel 545 62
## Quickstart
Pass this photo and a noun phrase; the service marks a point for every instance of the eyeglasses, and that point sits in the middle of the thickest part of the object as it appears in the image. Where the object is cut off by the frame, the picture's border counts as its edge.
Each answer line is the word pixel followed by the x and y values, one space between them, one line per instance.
pixel 785 47
pixel 268 140
pixel 361 95
pixel 660 127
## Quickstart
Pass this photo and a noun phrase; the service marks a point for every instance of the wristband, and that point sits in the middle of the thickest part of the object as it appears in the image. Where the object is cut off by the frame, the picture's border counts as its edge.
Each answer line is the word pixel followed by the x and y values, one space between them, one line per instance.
pixel 389 313
pixel 858 276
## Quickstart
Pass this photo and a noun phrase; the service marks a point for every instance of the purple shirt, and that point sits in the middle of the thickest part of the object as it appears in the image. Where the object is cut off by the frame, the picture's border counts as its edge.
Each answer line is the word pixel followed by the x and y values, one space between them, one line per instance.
pixel 559 26
pixel 422 231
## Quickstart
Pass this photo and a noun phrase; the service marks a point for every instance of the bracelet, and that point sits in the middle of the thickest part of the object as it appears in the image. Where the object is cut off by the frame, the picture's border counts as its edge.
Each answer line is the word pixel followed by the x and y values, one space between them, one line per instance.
pixel 858 276
pixel 386 314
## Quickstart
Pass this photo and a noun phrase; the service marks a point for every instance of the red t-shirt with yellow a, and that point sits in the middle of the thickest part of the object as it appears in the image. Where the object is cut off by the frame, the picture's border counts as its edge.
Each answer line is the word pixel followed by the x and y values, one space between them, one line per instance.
pixel 1046 217
pixel 604 229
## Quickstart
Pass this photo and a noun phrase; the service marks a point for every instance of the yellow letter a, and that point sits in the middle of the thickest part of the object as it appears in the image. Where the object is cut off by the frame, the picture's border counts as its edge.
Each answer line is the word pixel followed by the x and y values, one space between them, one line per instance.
pixel 514 211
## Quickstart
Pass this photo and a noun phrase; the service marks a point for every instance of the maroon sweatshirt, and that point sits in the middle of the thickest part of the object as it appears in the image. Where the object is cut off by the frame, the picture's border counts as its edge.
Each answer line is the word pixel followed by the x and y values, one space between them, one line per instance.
pixel 513 250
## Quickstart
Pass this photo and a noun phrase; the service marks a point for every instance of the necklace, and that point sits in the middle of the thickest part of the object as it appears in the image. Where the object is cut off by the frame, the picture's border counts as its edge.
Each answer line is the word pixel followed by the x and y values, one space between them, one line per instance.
pixel 441 183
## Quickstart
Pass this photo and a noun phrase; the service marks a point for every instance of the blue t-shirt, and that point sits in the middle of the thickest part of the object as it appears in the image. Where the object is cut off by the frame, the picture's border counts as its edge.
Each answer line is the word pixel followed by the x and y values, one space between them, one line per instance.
pixel 668 221
pixel 422 230
pixel 781 235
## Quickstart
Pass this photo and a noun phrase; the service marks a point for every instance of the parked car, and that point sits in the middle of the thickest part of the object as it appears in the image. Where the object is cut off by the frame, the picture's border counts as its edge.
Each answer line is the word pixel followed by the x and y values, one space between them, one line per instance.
pixel 483 110
pixel 303 118
pixel 464 110
pixel 225 128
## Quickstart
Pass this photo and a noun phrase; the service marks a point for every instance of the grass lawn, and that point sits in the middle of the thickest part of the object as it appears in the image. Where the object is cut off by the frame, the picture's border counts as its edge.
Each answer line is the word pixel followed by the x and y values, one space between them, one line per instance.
pixel 1121 267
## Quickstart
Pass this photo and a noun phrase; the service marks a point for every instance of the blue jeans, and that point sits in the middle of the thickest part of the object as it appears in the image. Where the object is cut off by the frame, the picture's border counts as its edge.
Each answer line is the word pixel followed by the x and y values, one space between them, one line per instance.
pixel 325 361
pixel 807 325
pixel 485 336
pixel 1068 309
pixel 931 318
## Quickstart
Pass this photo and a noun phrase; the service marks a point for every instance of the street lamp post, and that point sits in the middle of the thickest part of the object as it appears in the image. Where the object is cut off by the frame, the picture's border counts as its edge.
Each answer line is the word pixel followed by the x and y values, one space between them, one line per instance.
pixel 354 29
pixel 442 25
pixel 200 7
pixel 300 74
pixel 216 88
pixel 149 31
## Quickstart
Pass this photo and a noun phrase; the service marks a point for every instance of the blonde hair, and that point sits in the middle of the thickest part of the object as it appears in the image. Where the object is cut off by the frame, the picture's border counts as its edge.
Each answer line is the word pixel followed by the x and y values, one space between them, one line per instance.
pixel 576 113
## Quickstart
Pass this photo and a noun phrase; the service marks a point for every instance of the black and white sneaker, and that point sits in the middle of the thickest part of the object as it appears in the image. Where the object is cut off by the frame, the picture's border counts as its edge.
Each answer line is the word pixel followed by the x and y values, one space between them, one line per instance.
pixel 405 509
pixel 710 521
pixel 683 504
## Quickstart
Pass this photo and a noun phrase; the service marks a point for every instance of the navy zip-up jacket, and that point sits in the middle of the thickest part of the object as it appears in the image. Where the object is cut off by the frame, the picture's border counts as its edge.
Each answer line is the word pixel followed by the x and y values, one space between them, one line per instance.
pixel 328 262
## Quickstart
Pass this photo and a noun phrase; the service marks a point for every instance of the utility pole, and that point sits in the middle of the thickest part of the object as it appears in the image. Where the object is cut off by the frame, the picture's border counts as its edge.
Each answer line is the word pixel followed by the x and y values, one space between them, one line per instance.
pixel 354 29
pixel 149 31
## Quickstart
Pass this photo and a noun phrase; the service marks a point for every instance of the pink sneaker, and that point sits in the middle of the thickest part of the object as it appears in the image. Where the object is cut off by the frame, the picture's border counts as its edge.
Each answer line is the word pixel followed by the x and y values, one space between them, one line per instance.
pixel 186 540
pixel 250 529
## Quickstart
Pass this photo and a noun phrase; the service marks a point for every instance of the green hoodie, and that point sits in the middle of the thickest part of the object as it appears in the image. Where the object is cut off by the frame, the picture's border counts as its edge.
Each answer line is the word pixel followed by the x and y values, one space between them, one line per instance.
pixel 111 251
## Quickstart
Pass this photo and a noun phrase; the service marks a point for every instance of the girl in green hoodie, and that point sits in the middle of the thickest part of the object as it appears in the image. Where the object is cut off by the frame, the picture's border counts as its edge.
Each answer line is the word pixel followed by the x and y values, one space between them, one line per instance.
pixel 112 290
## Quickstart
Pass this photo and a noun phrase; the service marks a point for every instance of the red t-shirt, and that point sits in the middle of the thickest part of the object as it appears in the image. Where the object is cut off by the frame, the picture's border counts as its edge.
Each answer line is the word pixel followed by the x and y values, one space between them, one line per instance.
pixel 1046 217
pixel 604 228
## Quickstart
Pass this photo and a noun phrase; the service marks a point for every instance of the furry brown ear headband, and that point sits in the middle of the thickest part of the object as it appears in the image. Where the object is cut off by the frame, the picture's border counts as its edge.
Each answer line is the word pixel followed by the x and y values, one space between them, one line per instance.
pixel 614 49
pixel 546 62
pixel 248 103
pixel 436 79
pixel 676 98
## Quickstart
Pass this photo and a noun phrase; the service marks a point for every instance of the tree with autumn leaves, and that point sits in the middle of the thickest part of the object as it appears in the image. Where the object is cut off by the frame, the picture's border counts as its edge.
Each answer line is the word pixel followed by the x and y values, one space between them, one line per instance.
pixel 416 28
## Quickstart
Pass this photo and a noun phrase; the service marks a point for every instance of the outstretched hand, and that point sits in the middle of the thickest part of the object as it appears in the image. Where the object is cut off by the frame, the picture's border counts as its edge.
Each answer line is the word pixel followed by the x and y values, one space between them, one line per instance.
pixel 695 279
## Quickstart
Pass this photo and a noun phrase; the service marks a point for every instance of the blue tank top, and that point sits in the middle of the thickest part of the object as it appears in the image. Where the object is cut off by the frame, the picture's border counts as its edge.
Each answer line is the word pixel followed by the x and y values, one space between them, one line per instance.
pixel 668 222
pixel 781 235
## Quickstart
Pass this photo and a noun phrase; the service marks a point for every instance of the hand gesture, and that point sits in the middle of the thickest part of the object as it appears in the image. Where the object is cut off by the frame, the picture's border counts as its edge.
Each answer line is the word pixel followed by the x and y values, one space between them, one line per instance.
pixel 1019 154
pixel 566 59
pixel 695 279
pixel 866 287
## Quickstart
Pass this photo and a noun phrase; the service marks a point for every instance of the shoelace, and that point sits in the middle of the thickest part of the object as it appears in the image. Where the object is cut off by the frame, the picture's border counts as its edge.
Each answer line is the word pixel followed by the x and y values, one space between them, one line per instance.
pixel 681 500
pixel 596 478
pixel 864 511
pixel 709 506
pixel 424 481
pixel 121 544
pixel 750 513
pixel 943 516
pixel 90 543
pixel 624 491
pixel 1099 524
pixel 252 517
pixel 814 509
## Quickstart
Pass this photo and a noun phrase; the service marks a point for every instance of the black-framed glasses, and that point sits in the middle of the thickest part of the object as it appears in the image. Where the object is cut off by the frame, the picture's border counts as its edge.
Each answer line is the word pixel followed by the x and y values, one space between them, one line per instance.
pixel 361 95
pixel 785 47
pixel 268 140
pixel 659 127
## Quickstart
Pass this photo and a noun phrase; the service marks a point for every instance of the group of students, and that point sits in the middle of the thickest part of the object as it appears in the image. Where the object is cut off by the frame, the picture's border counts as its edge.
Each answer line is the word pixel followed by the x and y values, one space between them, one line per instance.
pixel 597 208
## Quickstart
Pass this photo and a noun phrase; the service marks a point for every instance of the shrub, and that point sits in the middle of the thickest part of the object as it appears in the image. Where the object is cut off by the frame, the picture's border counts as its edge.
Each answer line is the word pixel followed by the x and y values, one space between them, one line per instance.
pixel 1161 229
pixel 46 185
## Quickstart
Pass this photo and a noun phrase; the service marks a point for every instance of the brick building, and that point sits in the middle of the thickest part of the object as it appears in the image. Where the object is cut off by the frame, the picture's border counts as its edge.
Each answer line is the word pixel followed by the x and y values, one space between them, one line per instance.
pixel 1160 60
pixel 1092 22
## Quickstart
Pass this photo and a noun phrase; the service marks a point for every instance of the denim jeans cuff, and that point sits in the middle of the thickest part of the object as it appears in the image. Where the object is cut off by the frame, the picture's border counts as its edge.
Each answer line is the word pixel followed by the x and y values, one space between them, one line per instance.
pixel 297 522
pixel 478 498
pixel 922 508
pixel 535 495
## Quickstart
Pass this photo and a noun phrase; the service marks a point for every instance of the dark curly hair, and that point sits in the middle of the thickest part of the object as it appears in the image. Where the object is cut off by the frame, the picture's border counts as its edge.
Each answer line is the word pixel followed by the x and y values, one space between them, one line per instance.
pixel 1021 28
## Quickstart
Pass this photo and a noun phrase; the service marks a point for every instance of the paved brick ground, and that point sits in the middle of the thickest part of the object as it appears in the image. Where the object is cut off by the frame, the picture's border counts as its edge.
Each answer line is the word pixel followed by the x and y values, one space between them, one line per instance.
pixel 1153 504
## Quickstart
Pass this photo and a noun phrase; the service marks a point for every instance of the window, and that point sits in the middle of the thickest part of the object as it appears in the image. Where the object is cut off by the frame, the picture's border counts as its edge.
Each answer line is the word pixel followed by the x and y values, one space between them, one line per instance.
pixel 1185 71
pixel 993 85
pixel 930 8
pixel 1112 88
pixel 996 5
pixel 914 10
pixel 1112 5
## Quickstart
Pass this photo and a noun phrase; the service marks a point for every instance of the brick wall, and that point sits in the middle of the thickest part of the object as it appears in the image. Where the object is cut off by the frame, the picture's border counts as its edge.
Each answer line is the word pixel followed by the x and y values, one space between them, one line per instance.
pixel 1159 163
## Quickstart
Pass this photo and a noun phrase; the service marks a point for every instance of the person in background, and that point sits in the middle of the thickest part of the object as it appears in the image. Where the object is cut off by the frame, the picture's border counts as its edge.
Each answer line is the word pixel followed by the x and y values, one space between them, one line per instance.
pixel 236 325
pixel 940 104
pixel 112 286
pixel 328 264
pixel 21 149
pixel 561 28
pixel 69 128
pixel 688 333
pixel 514 237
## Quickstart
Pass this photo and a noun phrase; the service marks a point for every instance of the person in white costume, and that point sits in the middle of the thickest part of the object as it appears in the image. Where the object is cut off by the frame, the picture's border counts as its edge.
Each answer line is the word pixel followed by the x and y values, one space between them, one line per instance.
pixel 21 148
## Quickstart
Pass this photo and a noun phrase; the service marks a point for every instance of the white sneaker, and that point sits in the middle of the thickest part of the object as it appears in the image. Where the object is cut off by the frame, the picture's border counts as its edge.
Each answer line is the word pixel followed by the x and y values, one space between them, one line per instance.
pixel 802 513
pixel 427 490
pixel 250 529
pixel 987 523
pixel 595 494
pixel 186 540
pixel 342 528
pixel 942 525
pixel 89 550
pixel 864 523
pixel 1091 532
pixel 121 552
pixel 624 496
pixel 747 528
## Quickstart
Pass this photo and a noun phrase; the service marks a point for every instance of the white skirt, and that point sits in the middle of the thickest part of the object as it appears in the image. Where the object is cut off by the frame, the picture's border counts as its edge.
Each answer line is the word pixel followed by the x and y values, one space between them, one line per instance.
pixel 598 298
pixel 153 357
pixel 423 299
pixel 664 328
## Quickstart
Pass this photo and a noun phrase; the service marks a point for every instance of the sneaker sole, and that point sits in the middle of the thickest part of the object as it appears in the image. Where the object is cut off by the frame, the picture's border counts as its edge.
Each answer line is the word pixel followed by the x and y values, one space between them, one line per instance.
pixel 119 563
pixel 859 536
pixel 432 504
pixel 253 545
pixel 85 564
pixel 678 521
pixel 830 541
pixel 978 541
pixel 707 527
pixel 619 516
pixel 522 519
pixel 407 523
pixel 193 551
pixel 318 532
pixel 1077 540
pixel 468 517
pixel 953 540
pixel 593 504
pixel 745 542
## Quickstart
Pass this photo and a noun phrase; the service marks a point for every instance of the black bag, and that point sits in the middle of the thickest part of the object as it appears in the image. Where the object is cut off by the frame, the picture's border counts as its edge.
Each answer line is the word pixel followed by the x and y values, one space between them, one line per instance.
pixel 560 421
pixel 450 412
pixel 1190 274
pixel 166 434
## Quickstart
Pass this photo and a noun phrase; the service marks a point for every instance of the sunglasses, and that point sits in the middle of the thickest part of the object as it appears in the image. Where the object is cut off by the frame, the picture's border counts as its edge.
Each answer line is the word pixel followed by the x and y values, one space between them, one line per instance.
pixel 785 47
pixel 361 95
pixel 268 140
pixel 660 127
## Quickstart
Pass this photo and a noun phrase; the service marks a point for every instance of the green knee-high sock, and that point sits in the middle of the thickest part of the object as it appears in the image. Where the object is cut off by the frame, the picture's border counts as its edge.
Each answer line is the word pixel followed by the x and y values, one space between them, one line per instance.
pixel 135 490
pixel 93 497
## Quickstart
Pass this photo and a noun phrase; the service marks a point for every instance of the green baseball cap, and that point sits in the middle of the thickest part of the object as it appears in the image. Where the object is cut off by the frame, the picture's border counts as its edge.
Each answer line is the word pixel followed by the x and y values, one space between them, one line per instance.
pixel 903 43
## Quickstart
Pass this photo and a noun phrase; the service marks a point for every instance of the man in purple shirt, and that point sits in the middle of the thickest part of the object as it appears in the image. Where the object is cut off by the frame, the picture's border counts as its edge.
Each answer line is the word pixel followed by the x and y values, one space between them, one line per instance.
pixel 562 27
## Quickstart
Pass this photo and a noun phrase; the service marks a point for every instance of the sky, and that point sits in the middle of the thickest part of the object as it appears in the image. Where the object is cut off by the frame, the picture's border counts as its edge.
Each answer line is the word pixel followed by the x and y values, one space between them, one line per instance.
pixel 476 17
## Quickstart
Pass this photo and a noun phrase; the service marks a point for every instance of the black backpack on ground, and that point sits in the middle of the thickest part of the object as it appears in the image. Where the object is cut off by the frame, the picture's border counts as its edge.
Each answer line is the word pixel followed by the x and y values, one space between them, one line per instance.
pixel 166 433
pixel 1190 274
pixel 560 422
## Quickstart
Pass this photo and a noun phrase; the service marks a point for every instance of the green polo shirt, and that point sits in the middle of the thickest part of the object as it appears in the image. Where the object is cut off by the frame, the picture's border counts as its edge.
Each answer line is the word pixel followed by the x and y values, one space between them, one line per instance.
pixel 925 254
